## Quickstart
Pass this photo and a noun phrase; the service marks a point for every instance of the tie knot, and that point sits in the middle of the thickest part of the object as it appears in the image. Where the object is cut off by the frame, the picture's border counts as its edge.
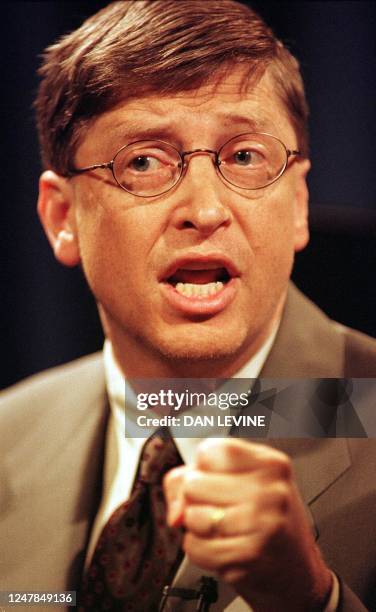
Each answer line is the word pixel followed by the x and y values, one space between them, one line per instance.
pixel 159 455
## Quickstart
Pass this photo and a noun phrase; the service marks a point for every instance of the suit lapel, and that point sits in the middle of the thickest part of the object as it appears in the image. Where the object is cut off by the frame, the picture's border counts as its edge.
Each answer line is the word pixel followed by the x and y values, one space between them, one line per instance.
pixel 317 463
pixel 308 344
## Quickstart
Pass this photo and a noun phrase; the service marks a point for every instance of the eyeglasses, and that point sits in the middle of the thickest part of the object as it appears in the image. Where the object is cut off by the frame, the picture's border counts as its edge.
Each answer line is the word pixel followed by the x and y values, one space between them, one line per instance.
pixel 148 168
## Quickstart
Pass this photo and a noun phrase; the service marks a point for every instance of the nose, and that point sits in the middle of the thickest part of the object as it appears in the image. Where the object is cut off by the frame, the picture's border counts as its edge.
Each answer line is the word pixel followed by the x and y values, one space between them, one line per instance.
pixel 202 195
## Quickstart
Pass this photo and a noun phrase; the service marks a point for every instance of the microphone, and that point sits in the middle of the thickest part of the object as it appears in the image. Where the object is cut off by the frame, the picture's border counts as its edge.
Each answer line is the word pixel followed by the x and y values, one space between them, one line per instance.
pixel 206 594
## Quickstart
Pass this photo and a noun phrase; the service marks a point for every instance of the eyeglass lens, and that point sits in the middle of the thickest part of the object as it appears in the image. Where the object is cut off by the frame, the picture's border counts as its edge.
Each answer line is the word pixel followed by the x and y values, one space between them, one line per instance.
pixel 248 161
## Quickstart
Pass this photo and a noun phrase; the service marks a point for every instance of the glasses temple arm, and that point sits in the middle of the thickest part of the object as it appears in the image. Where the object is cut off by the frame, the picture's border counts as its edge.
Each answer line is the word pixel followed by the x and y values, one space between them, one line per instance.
pixel 73 171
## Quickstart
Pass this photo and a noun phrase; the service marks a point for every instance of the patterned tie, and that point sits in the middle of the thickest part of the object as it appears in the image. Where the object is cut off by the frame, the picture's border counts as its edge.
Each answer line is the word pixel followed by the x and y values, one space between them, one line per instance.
pixel 137 553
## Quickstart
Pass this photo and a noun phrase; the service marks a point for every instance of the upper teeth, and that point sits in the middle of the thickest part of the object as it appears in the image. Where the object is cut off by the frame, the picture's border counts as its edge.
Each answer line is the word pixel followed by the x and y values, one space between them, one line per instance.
pixel 190 289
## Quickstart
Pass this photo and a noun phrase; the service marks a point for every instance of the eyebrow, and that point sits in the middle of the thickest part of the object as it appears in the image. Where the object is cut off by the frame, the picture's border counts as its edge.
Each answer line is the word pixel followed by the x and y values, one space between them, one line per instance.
pixel 252 123
pixel 137 132
pixel 126 133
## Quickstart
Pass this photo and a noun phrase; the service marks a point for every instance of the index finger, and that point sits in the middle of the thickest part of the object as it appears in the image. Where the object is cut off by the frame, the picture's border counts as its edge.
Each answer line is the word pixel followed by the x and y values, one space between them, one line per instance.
pixel 234 455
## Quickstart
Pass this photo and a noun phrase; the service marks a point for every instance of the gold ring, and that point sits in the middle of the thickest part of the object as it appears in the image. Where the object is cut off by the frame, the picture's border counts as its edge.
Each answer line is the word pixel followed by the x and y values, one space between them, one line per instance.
pixel 216 517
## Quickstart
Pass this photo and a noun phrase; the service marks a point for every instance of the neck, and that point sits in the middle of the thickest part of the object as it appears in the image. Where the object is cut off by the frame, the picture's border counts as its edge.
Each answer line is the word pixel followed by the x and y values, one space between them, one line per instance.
pixel 139 367
pixel 135 362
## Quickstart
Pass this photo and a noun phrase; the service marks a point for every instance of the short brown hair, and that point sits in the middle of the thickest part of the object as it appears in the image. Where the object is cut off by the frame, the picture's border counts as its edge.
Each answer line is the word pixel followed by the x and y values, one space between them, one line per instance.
pixel 135 47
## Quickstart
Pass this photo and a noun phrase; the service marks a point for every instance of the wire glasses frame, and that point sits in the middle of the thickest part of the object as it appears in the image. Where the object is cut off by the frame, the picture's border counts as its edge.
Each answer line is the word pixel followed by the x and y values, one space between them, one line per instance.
pixel 149 168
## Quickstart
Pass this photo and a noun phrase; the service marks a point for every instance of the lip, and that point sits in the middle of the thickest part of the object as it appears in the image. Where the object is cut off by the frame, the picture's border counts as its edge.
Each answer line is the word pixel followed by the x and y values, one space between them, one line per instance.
pixel 200 306
pixel 198 260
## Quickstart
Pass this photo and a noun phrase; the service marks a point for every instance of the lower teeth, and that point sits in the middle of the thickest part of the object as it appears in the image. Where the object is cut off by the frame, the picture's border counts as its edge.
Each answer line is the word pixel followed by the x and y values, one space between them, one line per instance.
pixel 192 290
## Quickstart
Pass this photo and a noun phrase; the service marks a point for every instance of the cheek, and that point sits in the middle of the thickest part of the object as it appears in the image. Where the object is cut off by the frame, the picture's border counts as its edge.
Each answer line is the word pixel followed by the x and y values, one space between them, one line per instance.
pixel 114 245
pixel 270 229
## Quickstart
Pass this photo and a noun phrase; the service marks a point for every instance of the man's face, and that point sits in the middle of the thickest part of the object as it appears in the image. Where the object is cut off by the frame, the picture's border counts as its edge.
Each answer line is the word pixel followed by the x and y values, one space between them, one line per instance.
pixel 135 250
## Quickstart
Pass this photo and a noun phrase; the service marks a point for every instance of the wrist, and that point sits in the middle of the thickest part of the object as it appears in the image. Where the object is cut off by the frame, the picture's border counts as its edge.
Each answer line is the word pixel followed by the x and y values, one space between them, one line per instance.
pixel 312 595
pixel 322 596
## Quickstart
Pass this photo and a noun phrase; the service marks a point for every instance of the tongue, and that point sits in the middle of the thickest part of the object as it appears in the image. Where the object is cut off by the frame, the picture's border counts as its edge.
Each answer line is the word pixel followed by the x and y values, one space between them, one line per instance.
pixel 198 277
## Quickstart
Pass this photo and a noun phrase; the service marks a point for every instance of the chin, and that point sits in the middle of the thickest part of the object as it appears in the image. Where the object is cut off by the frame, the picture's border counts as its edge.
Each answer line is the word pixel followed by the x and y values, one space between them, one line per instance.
pixel 198 345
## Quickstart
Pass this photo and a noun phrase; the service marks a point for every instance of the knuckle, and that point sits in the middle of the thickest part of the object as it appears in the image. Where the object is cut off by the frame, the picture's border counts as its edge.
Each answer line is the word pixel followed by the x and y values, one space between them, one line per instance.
pixel 192 484
pixel 224 454
pixel 276 528
pixel 281 493
pixel 285 466
pixel 282 463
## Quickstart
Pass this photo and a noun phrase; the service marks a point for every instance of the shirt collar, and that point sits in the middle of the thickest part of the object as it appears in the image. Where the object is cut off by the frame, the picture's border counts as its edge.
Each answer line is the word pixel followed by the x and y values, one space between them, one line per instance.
pixel 125 401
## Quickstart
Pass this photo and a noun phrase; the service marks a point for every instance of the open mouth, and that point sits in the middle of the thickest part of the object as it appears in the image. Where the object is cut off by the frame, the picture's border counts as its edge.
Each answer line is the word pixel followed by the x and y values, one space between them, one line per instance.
pixel 198 280
pixel 200 285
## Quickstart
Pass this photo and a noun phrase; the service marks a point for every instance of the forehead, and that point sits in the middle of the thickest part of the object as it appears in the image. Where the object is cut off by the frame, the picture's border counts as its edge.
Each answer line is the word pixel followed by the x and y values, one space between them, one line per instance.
pixel 212 112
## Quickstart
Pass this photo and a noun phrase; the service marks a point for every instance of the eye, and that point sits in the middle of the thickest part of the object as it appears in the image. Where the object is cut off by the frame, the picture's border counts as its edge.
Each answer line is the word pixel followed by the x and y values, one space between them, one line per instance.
pixel 142 163
pixel 247 157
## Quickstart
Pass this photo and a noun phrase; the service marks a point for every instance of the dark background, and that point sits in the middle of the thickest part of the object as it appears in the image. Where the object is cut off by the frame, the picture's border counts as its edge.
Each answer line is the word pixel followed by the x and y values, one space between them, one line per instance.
pixel 47 315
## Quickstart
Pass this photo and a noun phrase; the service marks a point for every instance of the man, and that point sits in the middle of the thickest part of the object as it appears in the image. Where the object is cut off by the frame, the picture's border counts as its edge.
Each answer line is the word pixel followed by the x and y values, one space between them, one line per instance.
pixel 174 140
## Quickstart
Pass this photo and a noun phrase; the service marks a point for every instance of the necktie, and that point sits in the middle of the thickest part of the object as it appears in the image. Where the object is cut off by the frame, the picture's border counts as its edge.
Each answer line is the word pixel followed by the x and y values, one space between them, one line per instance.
pixel 137 553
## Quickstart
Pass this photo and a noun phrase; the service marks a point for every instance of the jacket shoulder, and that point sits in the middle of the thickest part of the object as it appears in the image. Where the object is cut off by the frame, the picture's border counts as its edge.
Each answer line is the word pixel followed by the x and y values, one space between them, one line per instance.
pixel 86 369
pixel 67 391
pixel 310 345
pixel 360 354
pixel 52 434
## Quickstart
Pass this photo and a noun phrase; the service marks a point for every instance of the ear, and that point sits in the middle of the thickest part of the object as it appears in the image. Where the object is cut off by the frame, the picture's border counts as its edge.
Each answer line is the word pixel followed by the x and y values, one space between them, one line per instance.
pixel 301 204
pixel 56 212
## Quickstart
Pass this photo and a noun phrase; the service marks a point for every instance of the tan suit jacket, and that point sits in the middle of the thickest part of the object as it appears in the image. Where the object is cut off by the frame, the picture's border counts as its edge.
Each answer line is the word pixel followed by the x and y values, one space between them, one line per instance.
pixel 52 430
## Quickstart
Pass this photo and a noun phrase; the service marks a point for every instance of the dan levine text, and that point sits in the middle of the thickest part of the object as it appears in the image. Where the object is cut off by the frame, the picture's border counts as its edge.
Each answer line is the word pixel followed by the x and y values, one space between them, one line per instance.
pixel 188 420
